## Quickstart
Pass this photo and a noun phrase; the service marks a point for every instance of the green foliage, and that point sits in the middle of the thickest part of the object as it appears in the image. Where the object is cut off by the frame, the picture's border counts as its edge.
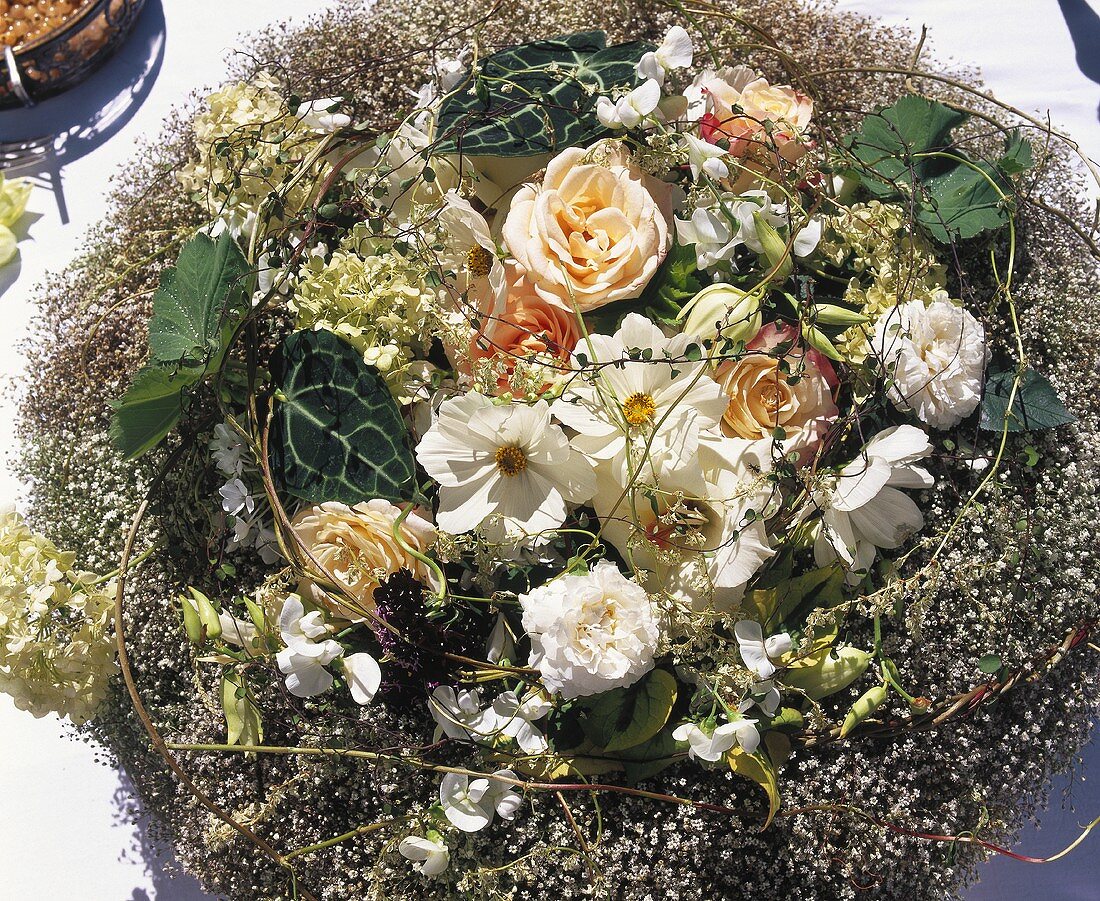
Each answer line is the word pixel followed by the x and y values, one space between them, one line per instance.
pixel 785 606
pixel 199 302
pixel 865 705
pixel 536 98
pixel 626 717
pixel 675 282
pixel 760 769
pixel 990 664
pixel 242 716
pixel 1035 407
pixel 337 434
pixel 647 759
pixel 905 151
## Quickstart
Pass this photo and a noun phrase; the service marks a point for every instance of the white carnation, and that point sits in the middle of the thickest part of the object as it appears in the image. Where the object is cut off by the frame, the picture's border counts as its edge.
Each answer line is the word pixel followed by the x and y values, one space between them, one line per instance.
pixel 935 355
pixel 590 633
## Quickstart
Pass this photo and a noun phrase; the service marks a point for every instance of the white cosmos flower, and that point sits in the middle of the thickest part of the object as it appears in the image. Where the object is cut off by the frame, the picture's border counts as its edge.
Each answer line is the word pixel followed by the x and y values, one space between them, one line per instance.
pixel 632 108
pixel 675 52
pixel 429 855
pixel 756 652
pixel 591 633
pixel 650 387
pixel 470 805
pixel 364 677
pixel 472 254
pixel 712 746
pixel 304 659
pixel 862 509
pixel 507 461
pixel 935 356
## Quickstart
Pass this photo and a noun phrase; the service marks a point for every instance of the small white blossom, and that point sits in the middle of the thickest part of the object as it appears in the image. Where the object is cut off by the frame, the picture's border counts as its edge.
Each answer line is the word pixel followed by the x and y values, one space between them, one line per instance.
pixel 516 718
pixel 236 498
pixel 429 855
pixel 712 746
pixel 304 659
pixel 632 109
pixel 470 805
pixel 675 52
pixel 756 653
pixel 705 157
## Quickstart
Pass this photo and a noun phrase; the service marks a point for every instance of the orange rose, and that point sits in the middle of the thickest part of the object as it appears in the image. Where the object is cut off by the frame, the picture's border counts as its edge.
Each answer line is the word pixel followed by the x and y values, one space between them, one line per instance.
pixel 529 328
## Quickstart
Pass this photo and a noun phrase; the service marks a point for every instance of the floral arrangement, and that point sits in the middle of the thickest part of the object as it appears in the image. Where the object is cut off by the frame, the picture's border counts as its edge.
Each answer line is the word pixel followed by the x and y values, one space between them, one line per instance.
pixel 604 417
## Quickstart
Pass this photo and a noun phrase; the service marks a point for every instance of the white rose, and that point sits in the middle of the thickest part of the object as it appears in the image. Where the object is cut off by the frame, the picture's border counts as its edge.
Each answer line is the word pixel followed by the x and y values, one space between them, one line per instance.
pixel 594 231
pixel 935 356
pixel 591 633
pixel 357 548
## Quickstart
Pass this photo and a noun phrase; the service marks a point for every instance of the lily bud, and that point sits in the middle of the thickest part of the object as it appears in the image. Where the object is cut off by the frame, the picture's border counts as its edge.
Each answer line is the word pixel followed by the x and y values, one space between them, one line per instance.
pixel 775 247
pixel 722 307
pixel 831 314
pixel 823 674
pixel 818 341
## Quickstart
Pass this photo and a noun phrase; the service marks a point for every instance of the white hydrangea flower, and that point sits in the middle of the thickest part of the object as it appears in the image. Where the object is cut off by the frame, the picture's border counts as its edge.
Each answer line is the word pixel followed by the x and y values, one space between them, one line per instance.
pixel 470 805
pixel 862 508
pixel 502 460
pixel 429 855
pixel 591 633
pixel 935 356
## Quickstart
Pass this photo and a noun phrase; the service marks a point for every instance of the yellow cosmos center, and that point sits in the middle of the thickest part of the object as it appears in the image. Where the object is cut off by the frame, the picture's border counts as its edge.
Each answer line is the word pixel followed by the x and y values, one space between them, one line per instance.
pixel 479 261
pixel 639 408
pixel 511 461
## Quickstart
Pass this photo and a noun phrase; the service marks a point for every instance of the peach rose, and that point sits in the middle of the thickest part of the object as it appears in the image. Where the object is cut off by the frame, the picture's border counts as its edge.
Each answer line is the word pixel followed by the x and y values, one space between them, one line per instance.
pixel 528 327
pixel 356 548
pixel 763 397
pixel 594 231
pixel 765 131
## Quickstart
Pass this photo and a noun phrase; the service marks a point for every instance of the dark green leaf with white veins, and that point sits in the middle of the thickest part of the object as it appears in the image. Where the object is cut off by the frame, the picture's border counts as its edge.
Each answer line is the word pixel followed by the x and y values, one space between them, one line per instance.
pixel 626 717
pixel 1035 407
pixel 198 301
pixel 536 97
pixel 337 434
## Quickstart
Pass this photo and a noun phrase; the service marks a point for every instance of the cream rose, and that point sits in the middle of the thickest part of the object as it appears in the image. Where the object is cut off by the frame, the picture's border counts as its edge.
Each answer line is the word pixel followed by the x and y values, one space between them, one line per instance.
pixel 763 123
pixel 763 398
pixel 356 548
pixel 594 231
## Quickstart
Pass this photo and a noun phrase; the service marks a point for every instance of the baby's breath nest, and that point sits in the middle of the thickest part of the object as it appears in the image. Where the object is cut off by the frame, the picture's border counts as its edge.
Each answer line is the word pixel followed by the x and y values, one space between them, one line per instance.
pixel 1022 570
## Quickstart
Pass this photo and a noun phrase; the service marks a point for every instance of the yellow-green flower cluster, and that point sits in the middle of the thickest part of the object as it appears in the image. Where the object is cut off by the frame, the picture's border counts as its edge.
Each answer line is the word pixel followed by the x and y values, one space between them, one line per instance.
pixel 895 265
pixel 372 296
pixel 248 145
pixel 57 653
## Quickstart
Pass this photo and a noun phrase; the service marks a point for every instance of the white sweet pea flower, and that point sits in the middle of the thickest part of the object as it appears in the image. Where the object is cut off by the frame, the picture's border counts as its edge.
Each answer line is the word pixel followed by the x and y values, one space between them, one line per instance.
pixel 364 676
pixel 704 156
pixel 303 660
pixel 236 498
pixel 318 115
pixel 508 461
pixel 429 855
pixel 712 746
pixel 756 653
pixel 630 110
pixel 675 52
pixel 516 718
pixel 460 715
pixel 862 508
pixel 470 805
pixel 764 695
pixel 501 643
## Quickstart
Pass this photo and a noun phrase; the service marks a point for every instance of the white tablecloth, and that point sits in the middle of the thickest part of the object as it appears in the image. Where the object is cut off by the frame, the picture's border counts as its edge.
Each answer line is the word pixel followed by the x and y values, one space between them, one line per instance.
pixel 64 830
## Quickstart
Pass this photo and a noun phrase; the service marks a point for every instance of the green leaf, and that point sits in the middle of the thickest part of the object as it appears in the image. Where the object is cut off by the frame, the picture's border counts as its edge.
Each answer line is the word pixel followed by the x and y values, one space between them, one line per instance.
pixel 192 308
pixel 199 302
pixel 150 408
pixel 760 770
pixel 337 435
pixel 954 196
pixel 990 664
pixel 626 717
pixel 242 717
pixel 672 286
pixel 650 757
pixel 536 98
pixel 1035 407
